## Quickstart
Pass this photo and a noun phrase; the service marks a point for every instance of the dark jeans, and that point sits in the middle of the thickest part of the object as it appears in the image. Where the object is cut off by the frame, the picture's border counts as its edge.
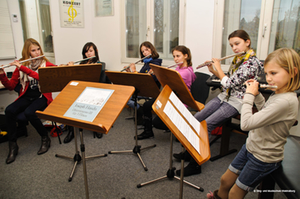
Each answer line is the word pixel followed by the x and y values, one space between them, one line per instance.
pixel 156 122
pixel 27 107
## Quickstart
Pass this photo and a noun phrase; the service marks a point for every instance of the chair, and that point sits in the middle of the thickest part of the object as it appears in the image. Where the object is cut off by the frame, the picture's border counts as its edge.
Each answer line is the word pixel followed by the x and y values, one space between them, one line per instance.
pixel 199 88
pixel 103 77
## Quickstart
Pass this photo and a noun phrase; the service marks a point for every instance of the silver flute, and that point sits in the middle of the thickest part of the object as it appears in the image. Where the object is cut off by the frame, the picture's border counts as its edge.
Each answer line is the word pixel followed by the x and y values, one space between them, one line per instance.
pixel 206 64
pixel 84 59
pixel 136 62
pixel 23 61
pixel 175 65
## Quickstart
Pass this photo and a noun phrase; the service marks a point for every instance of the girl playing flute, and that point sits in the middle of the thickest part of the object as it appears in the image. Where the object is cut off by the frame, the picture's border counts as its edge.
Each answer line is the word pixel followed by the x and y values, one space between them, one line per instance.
pixel 30 98
pixel 268 128
pixel 146 49
pixel 183 58
pixel 228 103
pixel 88 50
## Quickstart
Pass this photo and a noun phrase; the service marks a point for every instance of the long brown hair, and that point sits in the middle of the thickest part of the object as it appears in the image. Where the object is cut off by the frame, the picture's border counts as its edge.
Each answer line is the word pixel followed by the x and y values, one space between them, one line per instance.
pixel 85 49
pixel 26 50
pixel 185 51
pixel 154 53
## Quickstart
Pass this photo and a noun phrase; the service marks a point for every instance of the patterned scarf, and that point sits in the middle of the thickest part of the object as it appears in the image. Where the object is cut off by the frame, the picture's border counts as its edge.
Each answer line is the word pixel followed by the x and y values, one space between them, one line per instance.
pixel 33 66
pixel 236 62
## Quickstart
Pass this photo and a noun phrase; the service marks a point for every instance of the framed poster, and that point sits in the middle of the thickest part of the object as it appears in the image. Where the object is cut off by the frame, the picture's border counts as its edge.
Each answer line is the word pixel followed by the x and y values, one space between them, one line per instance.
pixel 71 13
pixel 104 8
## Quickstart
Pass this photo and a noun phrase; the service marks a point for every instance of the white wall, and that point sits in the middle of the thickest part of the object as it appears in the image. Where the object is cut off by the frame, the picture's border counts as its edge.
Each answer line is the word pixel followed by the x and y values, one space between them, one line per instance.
pixel 68 42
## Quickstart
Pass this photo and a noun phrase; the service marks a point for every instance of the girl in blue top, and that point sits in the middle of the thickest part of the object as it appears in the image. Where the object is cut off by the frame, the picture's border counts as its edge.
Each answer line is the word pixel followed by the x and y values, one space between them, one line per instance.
pixel 146 49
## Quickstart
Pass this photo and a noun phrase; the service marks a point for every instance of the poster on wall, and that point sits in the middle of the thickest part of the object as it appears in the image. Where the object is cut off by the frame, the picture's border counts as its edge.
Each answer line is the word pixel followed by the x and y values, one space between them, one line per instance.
pixel 104 8
pixel 71 13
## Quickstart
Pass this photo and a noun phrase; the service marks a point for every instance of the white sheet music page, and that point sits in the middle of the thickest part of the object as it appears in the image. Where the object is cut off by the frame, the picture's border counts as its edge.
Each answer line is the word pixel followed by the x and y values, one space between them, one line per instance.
pixel 185 112
pixel 182 125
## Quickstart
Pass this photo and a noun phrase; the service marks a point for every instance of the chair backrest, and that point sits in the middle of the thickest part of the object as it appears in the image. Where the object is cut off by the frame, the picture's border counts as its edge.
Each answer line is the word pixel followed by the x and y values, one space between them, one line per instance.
pixel 103 77
pixel 199 88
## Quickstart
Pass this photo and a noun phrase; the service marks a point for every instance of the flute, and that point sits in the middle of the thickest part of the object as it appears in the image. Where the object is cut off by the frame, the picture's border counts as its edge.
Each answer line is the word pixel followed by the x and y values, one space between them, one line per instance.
pixel 266 86
pixel 84 59
pixel 136 62
pixel 206 64
pixel 175 65
pixel 23 61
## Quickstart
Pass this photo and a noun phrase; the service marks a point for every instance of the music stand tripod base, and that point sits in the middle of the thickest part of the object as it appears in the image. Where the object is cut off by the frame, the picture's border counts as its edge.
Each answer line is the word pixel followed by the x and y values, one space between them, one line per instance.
pixel 77 158
pixel 171 174
pixel 137 148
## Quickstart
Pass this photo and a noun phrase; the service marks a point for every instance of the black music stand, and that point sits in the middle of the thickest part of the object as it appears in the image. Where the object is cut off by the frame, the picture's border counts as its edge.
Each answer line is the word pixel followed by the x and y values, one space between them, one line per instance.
pixel 159 106
pixel 147 89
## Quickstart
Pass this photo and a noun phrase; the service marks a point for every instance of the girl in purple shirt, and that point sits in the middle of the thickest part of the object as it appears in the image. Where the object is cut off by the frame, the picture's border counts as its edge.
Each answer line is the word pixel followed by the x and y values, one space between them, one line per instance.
pixel 183 59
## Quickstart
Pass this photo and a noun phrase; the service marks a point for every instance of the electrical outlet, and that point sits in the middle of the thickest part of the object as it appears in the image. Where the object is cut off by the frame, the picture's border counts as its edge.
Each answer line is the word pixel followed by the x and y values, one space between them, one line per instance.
pixel 1 108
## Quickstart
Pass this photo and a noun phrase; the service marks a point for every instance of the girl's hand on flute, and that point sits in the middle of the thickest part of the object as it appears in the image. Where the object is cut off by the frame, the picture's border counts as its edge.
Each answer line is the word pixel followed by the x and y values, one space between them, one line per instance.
pixel 131 68
pixel 151 72
pixel 70 63
pixel 16 63
pixel 252 87
pixel 216 63
pixel 1 70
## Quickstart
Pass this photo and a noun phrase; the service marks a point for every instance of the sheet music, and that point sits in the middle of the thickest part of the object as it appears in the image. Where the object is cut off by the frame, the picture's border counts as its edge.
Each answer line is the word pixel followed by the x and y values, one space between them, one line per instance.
pixel 182 125
pixel 89 104
pixel 185 112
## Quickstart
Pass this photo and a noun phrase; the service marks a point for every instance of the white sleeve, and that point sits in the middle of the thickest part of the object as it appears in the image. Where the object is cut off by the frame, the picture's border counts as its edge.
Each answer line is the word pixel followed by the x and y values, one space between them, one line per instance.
pixel 223 81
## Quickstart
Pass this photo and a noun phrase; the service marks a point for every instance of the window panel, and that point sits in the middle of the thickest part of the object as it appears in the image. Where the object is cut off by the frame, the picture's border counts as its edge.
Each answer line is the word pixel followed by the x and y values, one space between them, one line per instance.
pixel 157 23
pixel 136 26
pixel 285 27
pixel 240 14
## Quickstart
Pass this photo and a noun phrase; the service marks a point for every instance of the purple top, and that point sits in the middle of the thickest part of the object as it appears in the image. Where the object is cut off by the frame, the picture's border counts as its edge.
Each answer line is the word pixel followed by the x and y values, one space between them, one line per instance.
pixel 187 74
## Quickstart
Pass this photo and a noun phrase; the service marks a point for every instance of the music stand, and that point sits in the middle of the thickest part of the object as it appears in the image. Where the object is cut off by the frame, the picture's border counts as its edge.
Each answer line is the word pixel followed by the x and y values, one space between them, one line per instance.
pixel 102 122
pixel 173 79
pixel 167 96
pixel 55 78
pixel 148 88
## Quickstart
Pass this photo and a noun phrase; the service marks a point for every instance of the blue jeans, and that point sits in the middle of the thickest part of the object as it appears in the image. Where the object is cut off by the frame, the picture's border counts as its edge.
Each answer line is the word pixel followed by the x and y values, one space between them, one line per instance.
pixel 28 107
pixel 251 171
pixel 215 113
pixel 130 103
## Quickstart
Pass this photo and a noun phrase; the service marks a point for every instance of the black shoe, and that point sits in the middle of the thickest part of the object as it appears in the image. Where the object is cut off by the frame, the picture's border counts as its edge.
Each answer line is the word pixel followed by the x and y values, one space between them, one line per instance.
pixel 98 135
pixel 45 145
pixel 183 156
pixel 69 136
pixel 13 152
pixel 145 135
pixel 190 169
